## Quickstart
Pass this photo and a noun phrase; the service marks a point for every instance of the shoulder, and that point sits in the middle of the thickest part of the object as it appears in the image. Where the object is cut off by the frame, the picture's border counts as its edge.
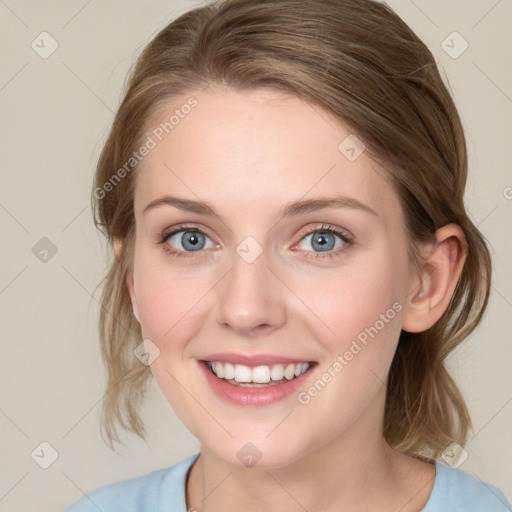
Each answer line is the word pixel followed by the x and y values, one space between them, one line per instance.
pixel 458 491
pixel 141 493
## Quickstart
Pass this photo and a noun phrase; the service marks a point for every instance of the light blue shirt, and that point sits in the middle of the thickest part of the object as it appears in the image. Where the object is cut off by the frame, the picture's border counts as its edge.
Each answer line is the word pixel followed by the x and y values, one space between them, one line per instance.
pixel 164 491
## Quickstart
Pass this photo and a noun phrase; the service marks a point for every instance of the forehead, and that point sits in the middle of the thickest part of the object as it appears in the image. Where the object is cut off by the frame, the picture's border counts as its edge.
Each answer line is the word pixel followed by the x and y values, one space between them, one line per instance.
pixel 238 149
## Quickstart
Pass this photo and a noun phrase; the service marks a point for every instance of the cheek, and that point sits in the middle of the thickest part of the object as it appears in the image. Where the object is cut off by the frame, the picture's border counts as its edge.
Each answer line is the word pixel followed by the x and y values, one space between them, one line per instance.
pixel 355 299
pixel 165 298
pixel 360 311
pixel 168 303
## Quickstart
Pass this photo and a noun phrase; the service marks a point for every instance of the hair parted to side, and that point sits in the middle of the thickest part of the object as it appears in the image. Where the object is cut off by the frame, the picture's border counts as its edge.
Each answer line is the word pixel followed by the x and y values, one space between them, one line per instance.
pixel 361 63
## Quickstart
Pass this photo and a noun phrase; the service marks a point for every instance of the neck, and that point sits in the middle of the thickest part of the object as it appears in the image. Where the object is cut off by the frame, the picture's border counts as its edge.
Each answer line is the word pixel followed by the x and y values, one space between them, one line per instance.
pixel 357 471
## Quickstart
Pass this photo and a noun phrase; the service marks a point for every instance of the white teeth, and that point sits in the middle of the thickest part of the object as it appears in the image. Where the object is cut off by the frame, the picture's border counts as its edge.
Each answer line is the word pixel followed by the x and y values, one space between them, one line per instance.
pixel 242 373
pixel 277 372
pixel 289 373
pixel 258 374
pixel 229 371
pixel 219 370
pixel 261 374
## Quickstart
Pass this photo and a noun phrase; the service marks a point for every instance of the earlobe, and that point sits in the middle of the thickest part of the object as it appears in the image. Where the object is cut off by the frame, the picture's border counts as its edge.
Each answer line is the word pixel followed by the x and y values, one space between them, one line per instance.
pixel 424 287
pixel 438 278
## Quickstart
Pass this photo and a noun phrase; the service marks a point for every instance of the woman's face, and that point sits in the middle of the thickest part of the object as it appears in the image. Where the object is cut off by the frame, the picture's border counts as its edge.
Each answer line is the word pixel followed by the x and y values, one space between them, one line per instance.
pixel 253 276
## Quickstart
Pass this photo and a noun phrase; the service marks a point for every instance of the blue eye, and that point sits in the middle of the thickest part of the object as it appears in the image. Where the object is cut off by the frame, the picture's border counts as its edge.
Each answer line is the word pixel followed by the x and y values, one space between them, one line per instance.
pixel 191 240
pixel 322 241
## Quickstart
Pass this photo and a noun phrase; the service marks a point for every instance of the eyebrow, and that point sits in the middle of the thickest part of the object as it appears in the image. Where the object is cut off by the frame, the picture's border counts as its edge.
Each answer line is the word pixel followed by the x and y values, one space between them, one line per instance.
pixel 296 208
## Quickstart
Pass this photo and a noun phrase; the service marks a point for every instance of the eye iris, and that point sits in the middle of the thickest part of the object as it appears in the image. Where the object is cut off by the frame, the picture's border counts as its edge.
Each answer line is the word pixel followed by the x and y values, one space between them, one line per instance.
pixel 320 238
pixel 192 240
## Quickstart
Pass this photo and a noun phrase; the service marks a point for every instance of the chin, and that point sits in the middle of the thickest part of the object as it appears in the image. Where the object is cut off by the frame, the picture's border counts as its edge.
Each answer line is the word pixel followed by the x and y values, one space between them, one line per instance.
pixel 259 453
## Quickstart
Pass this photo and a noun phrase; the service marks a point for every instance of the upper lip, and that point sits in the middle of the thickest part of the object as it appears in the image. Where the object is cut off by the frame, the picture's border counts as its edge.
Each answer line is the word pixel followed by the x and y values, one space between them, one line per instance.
pixel 252 360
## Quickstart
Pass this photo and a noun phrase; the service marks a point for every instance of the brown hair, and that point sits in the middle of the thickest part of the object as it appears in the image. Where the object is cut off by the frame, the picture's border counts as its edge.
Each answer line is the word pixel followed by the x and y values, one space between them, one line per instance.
pixel 357 60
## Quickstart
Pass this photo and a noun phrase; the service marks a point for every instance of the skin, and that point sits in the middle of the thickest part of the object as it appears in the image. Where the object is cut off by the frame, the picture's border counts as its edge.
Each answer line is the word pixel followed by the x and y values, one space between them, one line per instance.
pixel 248 154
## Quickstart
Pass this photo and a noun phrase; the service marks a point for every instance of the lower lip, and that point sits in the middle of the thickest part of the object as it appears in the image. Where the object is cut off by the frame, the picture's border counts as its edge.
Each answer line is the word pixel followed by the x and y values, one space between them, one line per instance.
pixel 242 395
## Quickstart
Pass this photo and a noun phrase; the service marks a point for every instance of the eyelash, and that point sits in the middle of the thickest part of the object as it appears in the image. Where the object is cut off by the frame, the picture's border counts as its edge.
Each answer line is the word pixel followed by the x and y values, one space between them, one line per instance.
pixel 324 228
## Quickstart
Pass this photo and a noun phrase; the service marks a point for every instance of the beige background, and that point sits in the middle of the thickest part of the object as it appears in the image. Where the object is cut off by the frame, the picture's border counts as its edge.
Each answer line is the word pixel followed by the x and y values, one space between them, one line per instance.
pixel 55 113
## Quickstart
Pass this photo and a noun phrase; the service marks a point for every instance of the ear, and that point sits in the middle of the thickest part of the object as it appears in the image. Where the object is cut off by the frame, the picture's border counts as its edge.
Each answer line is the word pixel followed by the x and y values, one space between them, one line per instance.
pixel 130 285
pixel 438 278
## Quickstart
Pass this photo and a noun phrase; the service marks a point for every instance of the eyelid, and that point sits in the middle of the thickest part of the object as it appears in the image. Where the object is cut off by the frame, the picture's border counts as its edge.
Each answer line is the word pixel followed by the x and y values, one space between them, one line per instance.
pixel 166 233
pixel 326 228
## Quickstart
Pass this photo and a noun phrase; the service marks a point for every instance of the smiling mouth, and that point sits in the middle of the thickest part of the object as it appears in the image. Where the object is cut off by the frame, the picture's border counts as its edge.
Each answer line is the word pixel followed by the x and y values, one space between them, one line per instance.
pixel 258 376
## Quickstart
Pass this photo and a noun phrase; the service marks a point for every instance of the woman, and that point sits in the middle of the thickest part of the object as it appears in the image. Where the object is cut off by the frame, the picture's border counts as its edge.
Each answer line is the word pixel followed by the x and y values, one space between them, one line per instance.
pixel 283 190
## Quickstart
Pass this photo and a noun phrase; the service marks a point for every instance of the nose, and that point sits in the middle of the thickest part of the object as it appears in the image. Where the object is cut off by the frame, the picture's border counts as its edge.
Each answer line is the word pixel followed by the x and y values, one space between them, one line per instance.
pixel 251 299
